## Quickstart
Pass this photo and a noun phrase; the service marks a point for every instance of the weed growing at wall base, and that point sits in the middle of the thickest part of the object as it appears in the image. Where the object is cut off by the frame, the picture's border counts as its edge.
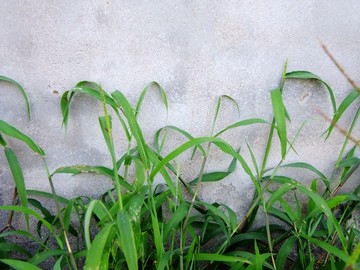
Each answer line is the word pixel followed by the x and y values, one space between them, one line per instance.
pixel 139 224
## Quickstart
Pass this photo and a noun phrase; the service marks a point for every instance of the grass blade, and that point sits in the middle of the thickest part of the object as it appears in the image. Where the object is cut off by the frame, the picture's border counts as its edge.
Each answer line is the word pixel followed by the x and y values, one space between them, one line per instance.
pixel 77 169
pixel 18 177
pixel 21 89
pixel 127 240
pixel 308 75
pixel 328 247
pixel 2 141
pixel 144 92
pixel 89 88
pixel 280 118
pixel 15 133
pixel 349 99
pixel 31 212
pixel 176 218
pixel 284 252
pixel 100 210
pixel 222 145
pixel 20 265
pixel 181 131
pixel 220 258
pixel 134 126
pixel 242 123
pixel 216 176
pixel 218 105
pixel 43 256
pixel 98 246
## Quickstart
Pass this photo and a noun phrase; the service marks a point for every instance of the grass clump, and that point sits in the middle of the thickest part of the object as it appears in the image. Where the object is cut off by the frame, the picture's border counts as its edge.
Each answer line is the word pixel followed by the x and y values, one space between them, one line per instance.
pixel 140 224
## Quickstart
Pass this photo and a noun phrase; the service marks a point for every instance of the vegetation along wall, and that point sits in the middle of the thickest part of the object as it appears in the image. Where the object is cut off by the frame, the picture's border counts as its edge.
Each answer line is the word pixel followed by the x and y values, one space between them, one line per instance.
pixel 228 60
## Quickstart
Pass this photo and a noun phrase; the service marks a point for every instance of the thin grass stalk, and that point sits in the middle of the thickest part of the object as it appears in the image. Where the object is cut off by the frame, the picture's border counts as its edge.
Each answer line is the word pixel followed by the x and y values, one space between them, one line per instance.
pixel 349 137
pixel 267 149
pixel 272 129
pixel 343 181
pixel 112 150
pixel 197 188
pixel 177 202
pixel 268 233
pixel 267 224
pixel 61 220
pixel 11 214
pixel 340 68
pixel 202 168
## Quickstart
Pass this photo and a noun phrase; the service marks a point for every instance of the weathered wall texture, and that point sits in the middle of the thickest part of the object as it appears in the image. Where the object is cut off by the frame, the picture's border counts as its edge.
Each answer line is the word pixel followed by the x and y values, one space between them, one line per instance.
pixel 197 50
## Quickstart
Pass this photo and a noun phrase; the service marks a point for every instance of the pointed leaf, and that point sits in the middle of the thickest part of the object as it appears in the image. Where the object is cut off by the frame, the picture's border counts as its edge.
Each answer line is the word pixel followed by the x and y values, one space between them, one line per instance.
pixel 20 265
pixel 127 240
pixel 279 114
pixel 18 177
pixel 349 99
pixel 308 75
pixel 21 89
pixel 15 133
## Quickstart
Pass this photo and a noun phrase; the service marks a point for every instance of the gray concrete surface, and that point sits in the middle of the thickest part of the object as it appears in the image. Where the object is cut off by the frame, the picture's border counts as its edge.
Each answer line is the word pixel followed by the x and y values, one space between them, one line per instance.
pixel 197 50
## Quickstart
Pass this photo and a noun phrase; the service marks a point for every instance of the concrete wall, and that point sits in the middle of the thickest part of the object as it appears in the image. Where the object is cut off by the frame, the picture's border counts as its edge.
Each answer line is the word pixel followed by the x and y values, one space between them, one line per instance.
pixel 197 50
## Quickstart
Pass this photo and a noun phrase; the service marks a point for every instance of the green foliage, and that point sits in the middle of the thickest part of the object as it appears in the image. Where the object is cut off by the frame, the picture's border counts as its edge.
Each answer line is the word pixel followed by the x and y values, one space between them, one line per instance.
pixel 142 225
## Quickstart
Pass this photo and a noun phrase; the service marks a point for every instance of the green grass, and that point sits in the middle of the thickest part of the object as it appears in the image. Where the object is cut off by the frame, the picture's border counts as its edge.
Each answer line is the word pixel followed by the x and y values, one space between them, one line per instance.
pixel 142 225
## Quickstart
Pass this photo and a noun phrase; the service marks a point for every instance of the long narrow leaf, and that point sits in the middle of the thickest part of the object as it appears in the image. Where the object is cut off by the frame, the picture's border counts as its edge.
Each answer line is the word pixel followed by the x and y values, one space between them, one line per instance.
pixel 220 258
pixel 176 218
pixel 21 89
pixel 308 75
pixel 97 248
pixel 242 123
pixel 127 240
pixel 216 176
pixel 349 99
pixel 144 92
pixel 133 124
pixel 20 265
pixel 77 169
pixel 280 118
pixel 328 247
pixel 284 252
pixel 15 133
pixel 31 212
pixel 222 145
pixel 18 177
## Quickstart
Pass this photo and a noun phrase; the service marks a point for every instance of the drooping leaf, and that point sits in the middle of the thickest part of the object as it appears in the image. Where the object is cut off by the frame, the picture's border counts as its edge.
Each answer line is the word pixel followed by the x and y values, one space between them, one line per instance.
pixel 144 92
pixel 77 169
pixel 308 75
pixel 242 123
pixel 218 105
pixel 179 130
pixel 349 99
pixel 21 89
pixel 15 133
pixel 216 176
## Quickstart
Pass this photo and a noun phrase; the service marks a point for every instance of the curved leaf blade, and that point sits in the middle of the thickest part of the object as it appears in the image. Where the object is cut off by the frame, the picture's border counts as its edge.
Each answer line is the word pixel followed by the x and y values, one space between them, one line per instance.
pixel 15 133
pixel 21 89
